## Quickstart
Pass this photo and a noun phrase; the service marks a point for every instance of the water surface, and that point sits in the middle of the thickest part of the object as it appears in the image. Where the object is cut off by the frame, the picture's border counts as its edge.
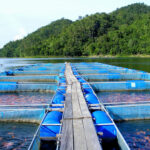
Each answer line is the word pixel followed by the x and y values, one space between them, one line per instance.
pixel 16 136
pixel 136 133
pixel 124 96
pixel 23 98
pixel 131 62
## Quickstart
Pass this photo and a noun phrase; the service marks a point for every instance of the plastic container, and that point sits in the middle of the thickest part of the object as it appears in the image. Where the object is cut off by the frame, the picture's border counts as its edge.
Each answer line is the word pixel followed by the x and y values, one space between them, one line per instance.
pixel 85 86
pixel 106 132
pixel 86 91
pixel 58 99
pixel 9 73
pixel 91 98
pixel 53 117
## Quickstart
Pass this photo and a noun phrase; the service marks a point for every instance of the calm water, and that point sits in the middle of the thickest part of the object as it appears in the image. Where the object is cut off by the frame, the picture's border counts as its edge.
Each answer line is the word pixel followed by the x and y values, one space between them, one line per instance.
pixel 23 98
pixel 125 96
pixel 136 133
pixel 16 136
pixel 133 63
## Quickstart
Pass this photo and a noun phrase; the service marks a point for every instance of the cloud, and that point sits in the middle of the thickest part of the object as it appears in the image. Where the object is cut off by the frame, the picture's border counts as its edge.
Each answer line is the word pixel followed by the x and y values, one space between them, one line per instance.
pixel 20 34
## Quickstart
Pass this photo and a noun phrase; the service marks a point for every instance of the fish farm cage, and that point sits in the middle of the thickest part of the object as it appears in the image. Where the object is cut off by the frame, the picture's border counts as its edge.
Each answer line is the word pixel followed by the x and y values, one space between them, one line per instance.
pixel 37 98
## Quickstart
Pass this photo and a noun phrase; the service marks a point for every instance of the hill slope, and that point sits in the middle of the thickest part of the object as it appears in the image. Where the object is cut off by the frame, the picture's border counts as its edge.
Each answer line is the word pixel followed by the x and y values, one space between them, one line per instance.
pixel 124 31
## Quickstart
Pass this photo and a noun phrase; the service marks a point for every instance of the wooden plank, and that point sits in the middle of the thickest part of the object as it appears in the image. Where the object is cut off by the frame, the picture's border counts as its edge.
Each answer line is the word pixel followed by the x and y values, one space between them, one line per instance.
pixel 79 135
pixel 67 136
pixel 67 74
pixel 75 103
pixel 83 105
pixel 68 104
pixel 78 131
pixel 90 134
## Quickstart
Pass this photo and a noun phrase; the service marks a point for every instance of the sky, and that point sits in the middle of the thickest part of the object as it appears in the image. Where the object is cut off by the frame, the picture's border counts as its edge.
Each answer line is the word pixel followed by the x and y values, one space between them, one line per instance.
pixel 21 17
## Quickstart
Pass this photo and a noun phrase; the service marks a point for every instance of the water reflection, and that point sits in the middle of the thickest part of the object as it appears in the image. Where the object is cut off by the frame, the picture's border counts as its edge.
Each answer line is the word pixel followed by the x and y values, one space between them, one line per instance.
pixel 133 63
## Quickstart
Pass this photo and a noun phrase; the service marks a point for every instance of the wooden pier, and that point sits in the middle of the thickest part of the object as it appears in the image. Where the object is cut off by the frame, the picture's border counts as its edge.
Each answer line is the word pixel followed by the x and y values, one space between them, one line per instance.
pixel 78 131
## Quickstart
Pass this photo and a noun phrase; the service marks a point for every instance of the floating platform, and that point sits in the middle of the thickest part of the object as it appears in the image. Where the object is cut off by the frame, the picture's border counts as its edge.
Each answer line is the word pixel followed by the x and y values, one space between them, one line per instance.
pixel 75 117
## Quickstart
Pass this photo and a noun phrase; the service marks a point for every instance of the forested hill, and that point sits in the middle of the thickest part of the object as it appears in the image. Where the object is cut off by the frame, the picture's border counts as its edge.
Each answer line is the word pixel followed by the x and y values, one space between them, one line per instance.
pixel 124 31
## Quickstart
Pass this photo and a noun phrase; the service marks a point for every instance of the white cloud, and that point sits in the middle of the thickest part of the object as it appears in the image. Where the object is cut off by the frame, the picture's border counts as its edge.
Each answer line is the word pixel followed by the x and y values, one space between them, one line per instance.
pixel 20 34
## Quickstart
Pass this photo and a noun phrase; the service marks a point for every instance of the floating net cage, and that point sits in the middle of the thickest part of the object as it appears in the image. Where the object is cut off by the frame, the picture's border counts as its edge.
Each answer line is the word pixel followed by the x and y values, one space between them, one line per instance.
pixel 30 78
pixel 124 97
pixel 26 94
pixel 37 92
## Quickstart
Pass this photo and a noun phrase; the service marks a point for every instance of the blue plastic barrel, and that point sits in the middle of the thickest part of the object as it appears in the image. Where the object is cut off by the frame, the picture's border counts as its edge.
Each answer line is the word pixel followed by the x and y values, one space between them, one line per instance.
pixel 108 132
pixel 91 98
pixel 86 91
pixel 53 117
pixel 85 86
pixel 62 80
pixel 62 91
pixel 61 74
pixel 78 77
pixel 81 80
pixel 58 98
pixel 9 73
pixel 62 87
pixel 75 73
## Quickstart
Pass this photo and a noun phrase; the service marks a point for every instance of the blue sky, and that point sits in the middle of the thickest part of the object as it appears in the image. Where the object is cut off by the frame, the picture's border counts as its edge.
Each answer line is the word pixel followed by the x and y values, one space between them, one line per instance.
pixel 20 17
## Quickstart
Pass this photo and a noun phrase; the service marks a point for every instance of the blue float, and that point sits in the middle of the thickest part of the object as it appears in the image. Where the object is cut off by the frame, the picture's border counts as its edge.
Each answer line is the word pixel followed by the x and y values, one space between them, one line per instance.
pixel 58 98
pixel 106 132
pixel 91 98
pixel 86 91
pixel 85 86
pixel 9 73
pixel 61 74
pixel 51 130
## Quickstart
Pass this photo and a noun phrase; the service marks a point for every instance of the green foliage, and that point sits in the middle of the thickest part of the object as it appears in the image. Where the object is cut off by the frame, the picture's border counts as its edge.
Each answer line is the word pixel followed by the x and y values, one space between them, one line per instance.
pixel 122 32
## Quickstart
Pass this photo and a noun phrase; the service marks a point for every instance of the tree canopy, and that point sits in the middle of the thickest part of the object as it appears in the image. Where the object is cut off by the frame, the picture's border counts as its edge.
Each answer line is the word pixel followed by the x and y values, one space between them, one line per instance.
pixel 124 31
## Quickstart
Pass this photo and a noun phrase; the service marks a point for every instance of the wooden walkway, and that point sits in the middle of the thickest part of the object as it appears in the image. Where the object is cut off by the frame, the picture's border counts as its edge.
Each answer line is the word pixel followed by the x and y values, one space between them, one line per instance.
pixel 78 131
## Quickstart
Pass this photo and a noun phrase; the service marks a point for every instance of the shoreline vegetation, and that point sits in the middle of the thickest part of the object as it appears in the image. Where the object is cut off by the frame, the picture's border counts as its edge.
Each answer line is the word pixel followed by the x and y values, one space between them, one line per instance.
pixel 94 56
pixel 121 33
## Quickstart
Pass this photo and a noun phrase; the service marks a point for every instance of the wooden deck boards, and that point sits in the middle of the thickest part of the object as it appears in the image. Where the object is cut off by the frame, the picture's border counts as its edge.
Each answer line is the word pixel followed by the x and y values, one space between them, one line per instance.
pixel 78 131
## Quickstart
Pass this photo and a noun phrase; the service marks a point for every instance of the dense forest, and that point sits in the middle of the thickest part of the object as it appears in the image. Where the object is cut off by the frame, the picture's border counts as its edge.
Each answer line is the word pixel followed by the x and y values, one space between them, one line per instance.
pixel 125 31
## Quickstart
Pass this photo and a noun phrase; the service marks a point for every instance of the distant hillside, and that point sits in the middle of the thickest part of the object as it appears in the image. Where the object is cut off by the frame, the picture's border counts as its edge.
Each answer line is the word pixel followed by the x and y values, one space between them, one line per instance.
pixel 124 31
